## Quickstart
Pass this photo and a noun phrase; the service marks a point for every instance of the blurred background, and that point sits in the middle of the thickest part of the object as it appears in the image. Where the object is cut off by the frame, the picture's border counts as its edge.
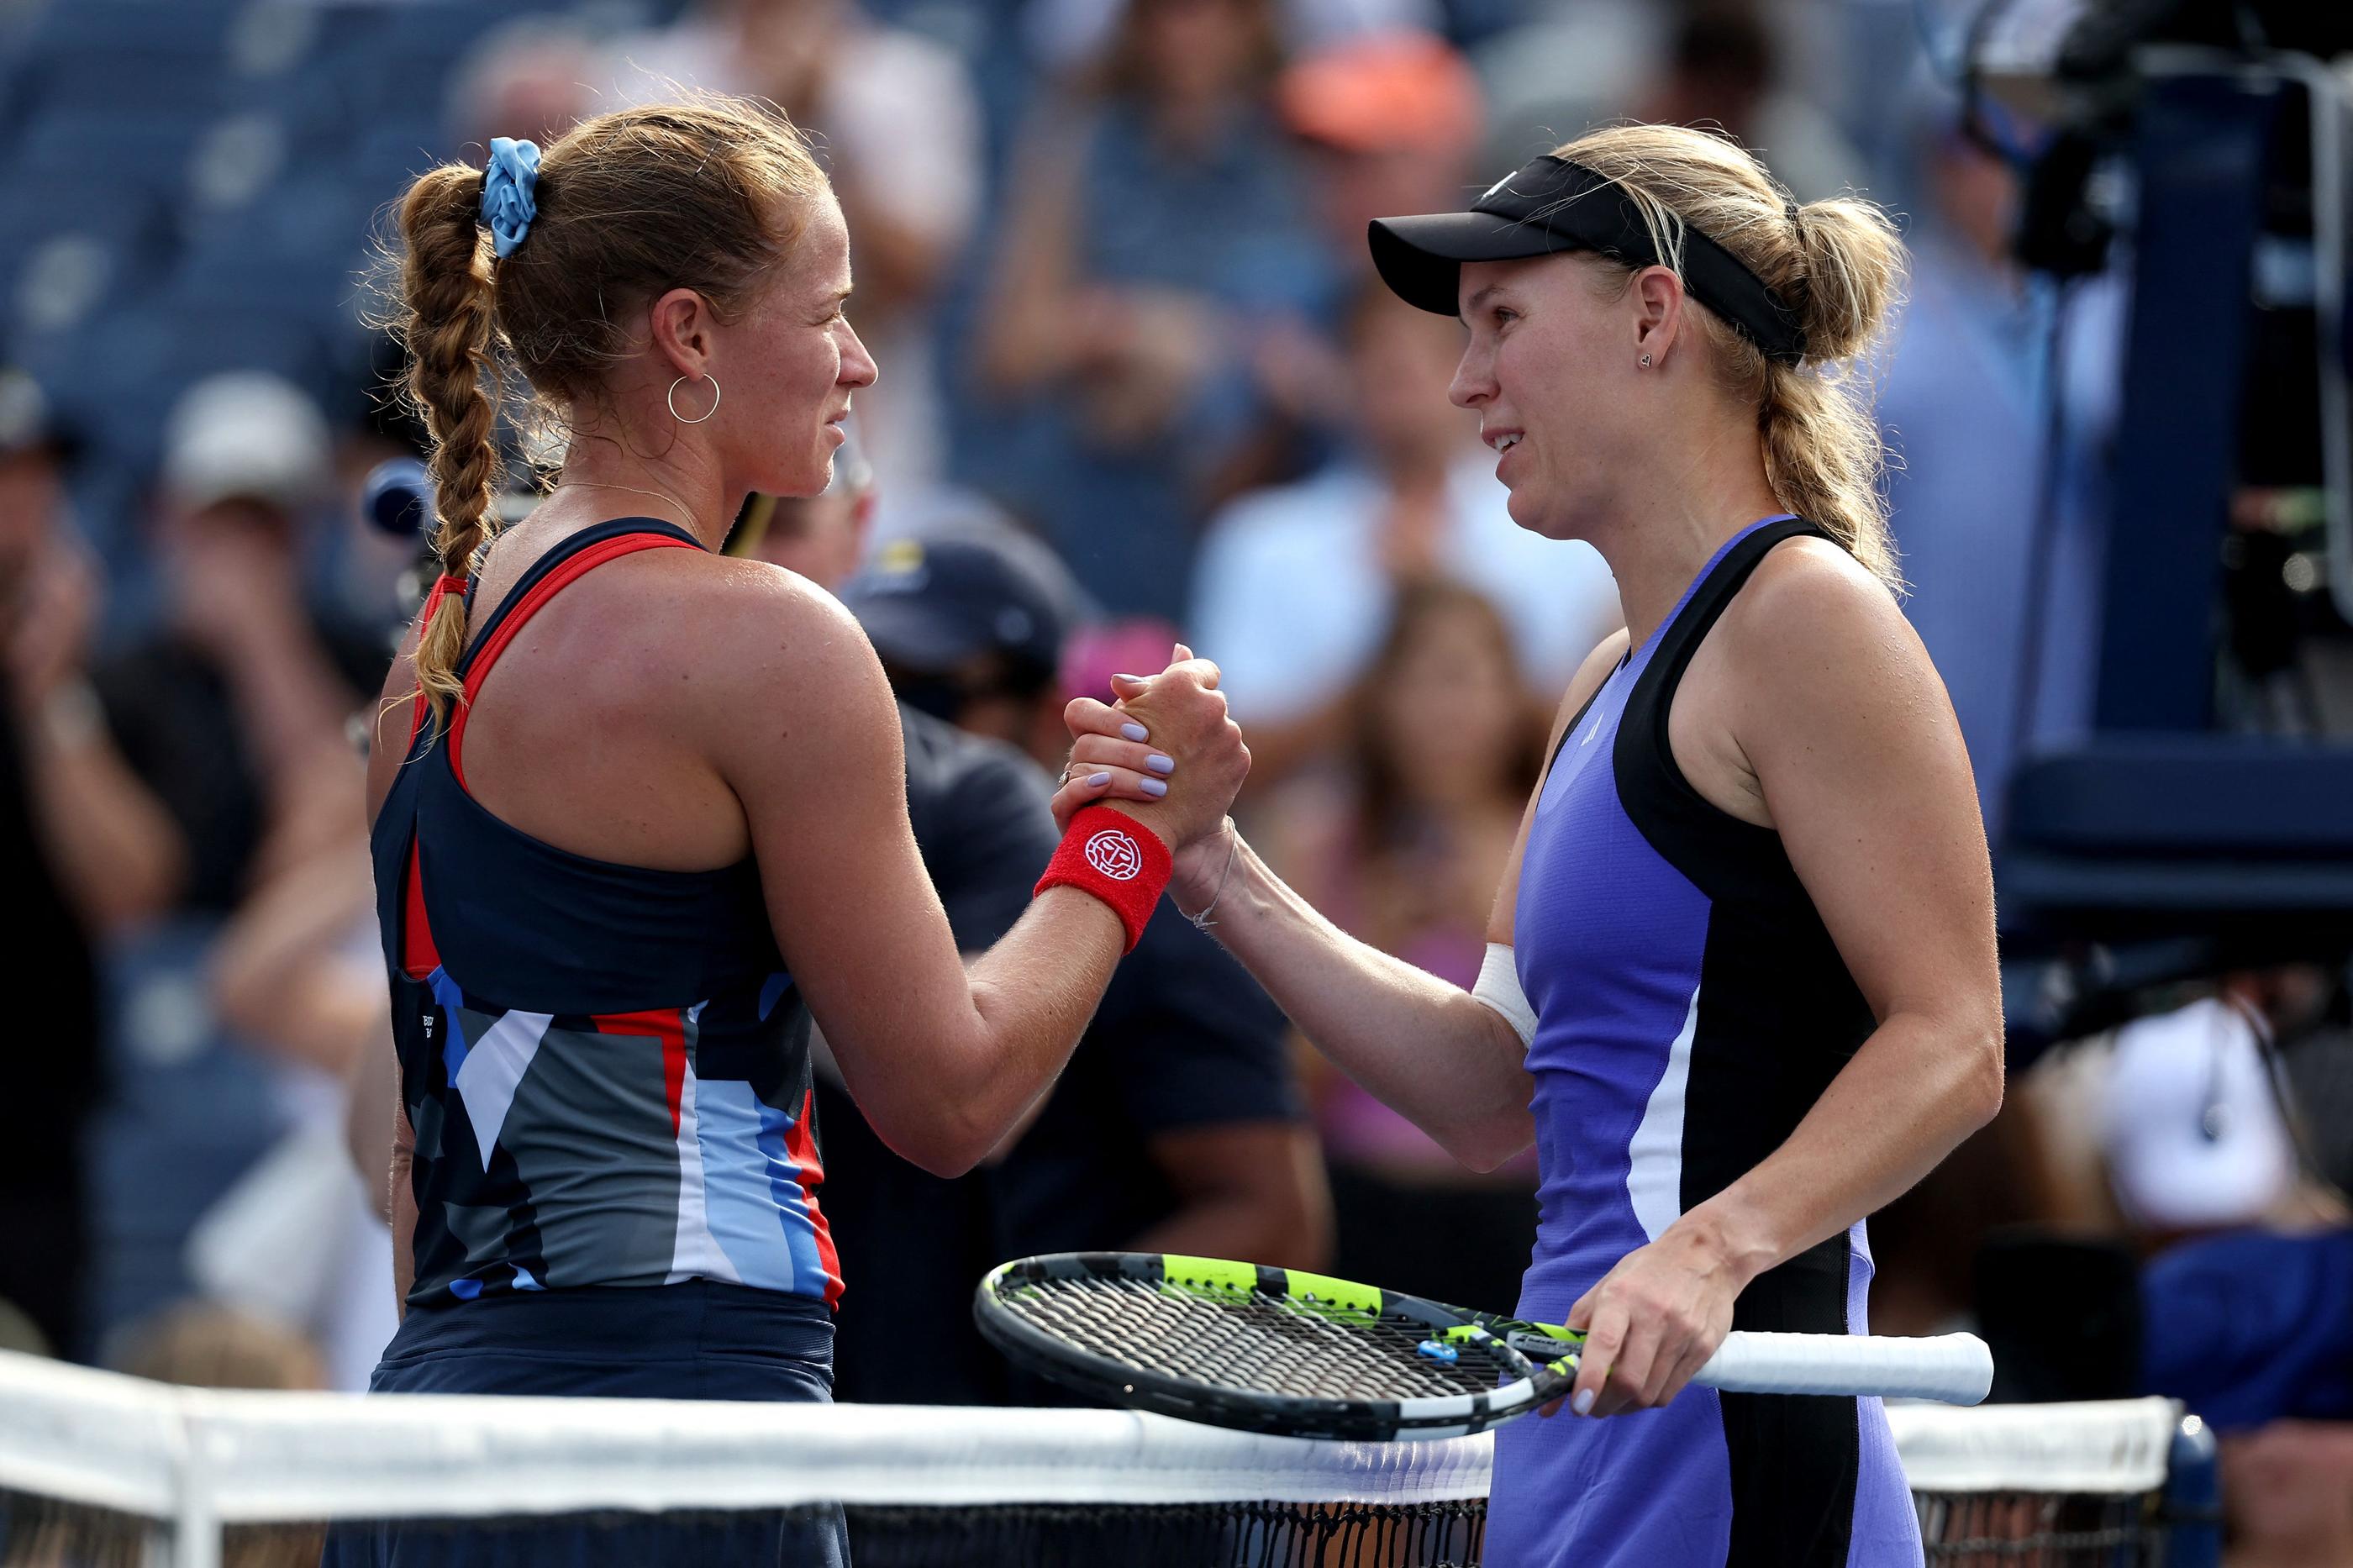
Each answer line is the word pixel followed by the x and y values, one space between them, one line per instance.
pixel 1109 256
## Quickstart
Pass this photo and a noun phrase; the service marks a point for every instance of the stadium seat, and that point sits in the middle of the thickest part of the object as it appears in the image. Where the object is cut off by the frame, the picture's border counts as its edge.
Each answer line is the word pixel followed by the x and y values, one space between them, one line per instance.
pixel 193 29
pixel 158 80
pixel 2180 835
pixel 110 152
pixel 34 206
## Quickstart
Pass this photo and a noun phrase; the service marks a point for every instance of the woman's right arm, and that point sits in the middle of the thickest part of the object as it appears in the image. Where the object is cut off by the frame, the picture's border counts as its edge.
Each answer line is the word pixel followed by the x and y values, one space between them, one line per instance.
pixel 1427 1048
pixel 943 1055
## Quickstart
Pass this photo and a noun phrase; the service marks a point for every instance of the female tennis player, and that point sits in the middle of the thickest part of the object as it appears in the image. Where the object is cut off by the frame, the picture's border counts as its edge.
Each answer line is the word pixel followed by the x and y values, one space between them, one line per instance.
pixel 645 817
pixel 1742 988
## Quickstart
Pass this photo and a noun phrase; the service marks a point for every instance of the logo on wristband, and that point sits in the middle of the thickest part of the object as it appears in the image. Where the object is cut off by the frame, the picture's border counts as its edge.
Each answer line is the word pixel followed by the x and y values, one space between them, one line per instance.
pixel 1115 854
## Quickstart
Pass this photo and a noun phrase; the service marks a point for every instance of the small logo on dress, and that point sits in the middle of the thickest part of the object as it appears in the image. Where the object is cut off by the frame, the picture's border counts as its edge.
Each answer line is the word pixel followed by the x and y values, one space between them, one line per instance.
pixel 1592 735
pixel 1115 854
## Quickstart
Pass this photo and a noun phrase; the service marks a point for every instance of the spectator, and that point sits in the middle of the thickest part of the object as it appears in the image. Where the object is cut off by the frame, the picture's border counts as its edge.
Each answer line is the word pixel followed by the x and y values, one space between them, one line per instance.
pixel 1386 124
pixel 1159 226
pixel 1723 67
pixel 1296 583
pixel 1960 407
pixel 46 755
pixel 895 120
pixel 1403 847
pixel 2287 1495
pixel 529 79
pixel 297 974
pixel 201 1345
pixel 197 764
pixel 1174 1128
pixel 233 715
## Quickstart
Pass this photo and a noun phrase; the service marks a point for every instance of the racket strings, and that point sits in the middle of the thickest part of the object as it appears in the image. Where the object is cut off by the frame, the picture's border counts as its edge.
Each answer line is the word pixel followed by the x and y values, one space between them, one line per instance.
pixel 1254 1342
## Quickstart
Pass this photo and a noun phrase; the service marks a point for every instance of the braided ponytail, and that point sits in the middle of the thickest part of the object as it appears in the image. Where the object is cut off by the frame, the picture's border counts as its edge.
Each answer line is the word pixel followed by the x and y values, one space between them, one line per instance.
pixel 710 195
pixel 445 323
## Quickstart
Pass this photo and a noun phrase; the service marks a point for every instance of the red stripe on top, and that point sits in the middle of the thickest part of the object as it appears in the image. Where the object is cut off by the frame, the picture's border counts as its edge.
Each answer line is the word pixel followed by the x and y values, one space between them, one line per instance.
pixel 802 1149
pixel 418 956
pixel 547 588
pixel 666 1025
pixel 420 708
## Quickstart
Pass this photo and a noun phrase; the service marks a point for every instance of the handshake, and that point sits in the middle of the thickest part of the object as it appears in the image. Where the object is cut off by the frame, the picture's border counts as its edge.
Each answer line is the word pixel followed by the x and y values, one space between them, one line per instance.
pixel 1165 750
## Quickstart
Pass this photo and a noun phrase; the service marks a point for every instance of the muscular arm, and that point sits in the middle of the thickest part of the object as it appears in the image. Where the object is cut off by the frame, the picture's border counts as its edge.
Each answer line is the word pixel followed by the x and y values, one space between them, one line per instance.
pixel 1857 761
pixel 1424 1047
pixel 941 1055
pixel 1860 761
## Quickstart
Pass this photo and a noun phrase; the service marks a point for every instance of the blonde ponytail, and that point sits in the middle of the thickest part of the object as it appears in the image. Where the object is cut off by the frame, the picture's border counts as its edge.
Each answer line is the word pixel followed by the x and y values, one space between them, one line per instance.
pixel 1840 267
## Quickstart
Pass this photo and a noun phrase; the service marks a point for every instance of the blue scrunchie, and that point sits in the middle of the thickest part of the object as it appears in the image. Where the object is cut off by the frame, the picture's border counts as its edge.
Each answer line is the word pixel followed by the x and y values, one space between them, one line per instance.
pixel 507 184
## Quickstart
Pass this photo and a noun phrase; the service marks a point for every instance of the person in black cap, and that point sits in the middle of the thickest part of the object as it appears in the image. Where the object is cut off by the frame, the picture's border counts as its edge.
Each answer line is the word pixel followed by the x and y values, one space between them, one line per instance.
pixel 1741 987
pixel 1176 1127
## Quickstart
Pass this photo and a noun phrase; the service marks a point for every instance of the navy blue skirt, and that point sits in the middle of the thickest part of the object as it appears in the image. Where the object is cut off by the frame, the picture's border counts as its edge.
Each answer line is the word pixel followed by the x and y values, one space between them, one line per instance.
pixel 698 1340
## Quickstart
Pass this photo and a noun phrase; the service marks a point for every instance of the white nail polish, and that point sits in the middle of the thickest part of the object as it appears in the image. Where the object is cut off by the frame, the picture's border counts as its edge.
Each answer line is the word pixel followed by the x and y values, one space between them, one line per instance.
pixel 1583 1403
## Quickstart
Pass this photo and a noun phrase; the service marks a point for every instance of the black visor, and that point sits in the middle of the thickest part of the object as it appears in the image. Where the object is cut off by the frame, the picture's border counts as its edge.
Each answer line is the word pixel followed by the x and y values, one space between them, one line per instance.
pixel 1552 206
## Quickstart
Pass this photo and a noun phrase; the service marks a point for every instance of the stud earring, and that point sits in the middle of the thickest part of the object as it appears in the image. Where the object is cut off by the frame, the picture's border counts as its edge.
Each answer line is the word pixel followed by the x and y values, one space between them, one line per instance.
pixel 1646 362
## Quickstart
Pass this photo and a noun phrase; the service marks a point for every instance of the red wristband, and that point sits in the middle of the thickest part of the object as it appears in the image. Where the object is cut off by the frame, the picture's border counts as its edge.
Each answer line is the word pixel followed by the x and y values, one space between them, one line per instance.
pixel 1118 859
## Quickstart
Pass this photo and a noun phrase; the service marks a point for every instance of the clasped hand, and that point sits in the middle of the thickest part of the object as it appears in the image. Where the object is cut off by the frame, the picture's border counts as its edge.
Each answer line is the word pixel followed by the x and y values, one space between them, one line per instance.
pixel 1163 750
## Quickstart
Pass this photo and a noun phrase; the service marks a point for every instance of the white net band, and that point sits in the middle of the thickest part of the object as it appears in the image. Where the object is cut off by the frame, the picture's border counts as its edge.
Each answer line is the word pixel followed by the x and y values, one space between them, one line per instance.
pixel 2108 1448
pixel 121 1443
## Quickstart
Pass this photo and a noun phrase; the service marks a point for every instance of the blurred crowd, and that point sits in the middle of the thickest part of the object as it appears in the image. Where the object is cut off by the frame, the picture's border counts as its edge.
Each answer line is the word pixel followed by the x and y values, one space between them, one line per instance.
pixel 1110 257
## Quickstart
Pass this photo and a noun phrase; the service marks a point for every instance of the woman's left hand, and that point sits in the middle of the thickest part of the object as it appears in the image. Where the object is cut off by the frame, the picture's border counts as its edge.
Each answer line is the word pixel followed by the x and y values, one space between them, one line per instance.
pixel 1653 1321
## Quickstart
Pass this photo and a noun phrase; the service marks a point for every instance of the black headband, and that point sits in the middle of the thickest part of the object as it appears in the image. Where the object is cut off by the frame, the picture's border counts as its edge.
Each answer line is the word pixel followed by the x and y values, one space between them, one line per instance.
pixel 1551 205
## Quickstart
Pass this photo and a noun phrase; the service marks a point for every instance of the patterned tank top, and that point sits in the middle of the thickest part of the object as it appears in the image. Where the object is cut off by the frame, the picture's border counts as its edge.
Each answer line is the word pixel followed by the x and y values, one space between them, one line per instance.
pixel 606 1067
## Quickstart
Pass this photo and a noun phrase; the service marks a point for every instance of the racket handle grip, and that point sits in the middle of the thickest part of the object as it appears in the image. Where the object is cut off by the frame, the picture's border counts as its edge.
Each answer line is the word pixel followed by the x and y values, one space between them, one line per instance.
pixel 1955 1368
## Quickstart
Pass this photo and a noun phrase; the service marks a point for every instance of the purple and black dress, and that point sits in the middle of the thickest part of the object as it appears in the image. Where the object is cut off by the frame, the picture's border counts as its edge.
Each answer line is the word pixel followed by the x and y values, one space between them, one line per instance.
pixel 1689 1009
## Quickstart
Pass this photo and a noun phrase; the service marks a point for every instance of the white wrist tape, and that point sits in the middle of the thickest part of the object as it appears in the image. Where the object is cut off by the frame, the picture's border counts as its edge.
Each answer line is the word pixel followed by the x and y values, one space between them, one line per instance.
pixel 1499 989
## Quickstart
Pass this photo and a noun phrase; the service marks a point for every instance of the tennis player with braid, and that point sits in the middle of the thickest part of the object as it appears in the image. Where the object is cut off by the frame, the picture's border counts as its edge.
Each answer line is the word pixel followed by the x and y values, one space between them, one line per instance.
pixel 1742 988
pixel 641 810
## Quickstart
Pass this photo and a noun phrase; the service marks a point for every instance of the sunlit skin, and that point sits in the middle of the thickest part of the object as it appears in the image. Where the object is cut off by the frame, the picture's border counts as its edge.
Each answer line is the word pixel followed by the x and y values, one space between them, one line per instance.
pixel 1810 708
pixel 1645 462
pixel 788 370
pixel 680 709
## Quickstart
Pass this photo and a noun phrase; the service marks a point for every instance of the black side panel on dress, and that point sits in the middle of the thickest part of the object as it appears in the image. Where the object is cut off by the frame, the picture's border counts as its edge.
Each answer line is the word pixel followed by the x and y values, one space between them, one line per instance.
pixel 1779 1017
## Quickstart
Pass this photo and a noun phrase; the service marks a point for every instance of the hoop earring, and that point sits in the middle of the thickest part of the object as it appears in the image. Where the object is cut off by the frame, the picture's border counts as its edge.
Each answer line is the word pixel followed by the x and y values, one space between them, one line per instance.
pixel 671 399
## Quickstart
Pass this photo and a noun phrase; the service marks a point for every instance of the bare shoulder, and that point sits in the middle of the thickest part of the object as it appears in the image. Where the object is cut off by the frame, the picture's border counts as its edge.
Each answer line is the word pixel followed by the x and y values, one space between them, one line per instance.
pixel 776 659
pixel 1813 617
pixel 1816 660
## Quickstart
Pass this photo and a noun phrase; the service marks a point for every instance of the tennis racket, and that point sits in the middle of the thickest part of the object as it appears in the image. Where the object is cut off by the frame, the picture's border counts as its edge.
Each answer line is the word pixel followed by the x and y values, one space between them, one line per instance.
pixel 1303 1356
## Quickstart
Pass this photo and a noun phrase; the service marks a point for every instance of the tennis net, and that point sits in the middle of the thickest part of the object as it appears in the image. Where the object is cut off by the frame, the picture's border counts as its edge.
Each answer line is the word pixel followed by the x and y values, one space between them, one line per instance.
pixel 97 1470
